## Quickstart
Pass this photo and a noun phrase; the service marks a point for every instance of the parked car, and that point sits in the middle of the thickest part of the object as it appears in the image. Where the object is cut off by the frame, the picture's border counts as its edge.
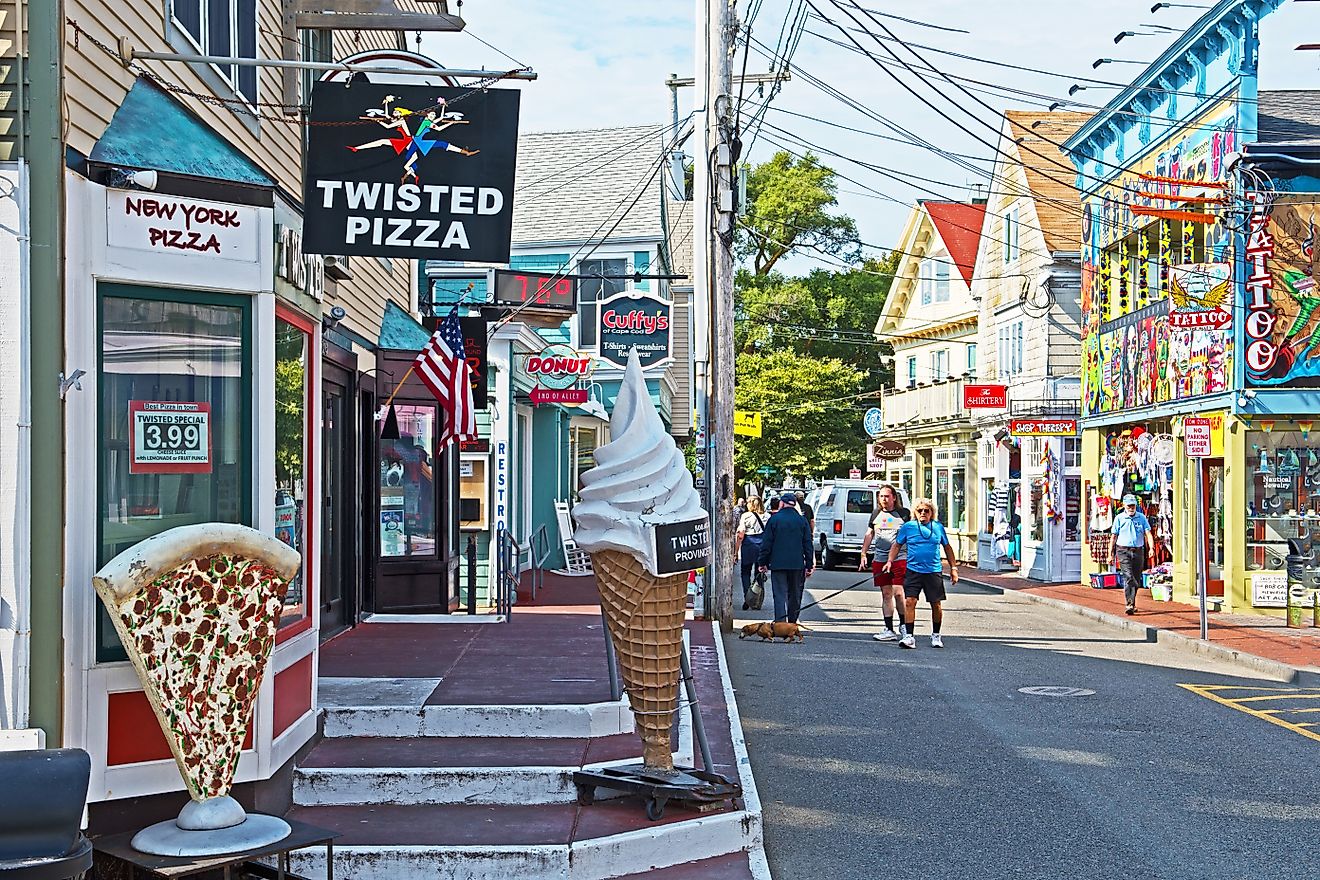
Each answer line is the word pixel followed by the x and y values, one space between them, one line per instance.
pixel 843 512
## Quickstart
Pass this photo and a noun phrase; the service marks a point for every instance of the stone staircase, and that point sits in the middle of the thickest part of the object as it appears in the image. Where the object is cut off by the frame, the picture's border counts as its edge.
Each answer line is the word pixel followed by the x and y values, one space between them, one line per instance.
pixel 418 790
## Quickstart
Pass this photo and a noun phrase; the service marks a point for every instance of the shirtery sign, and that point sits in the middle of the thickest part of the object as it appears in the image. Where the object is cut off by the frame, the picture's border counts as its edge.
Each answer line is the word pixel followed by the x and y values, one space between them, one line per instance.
pixel 985 396
pixel 170 225
pixel 640 322
pixel 385 180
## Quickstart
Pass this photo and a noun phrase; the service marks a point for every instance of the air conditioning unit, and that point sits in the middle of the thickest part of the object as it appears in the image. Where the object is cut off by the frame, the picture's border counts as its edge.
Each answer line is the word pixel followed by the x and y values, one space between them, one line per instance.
pixel 338 268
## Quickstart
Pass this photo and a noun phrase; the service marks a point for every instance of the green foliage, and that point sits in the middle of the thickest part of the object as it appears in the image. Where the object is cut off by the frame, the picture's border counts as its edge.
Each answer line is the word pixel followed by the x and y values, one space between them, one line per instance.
pixel 290 403
pixel 787 200
pixel 806 428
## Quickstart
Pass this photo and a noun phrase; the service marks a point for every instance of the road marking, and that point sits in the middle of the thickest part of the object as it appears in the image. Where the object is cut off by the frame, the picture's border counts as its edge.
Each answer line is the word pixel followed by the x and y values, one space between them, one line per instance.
pixel 1056 691
pixel 1223 695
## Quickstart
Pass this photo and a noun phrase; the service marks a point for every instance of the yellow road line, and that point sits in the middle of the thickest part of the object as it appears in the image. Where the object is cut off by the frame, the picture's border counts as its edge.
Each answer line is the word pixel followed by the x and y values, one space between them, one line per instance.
pixel 1292 696
pixel 1294 711
pixel 1232 704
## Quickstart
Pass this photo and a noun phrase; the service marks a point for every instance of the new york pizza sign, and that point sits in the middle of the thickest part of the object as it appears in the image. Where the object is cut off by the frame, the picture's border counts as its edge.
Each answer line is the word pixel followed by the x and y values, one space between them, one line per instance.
pixel 410 172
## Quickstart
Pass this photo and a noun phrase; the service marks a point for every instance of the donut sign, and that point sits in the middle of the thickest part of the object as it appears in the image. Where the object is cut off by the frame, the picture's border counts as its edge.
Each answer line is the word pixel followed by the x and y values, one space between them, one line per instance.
pixel 641 322
pixel 559 366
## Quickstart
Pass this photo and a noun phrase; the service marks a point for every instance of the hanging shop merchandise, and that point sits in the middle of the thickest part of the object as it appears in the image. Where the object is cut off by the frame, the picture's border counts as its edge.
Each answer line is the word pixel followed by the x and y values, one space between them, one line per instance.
pixel 384 178
pixel 1137 461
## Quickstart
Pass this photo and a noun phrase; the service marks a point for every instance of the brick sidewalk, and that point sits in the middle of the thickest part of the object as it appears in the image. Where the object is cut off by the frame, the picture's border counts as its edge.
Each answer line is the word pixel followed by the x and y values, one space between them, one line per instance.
pixel 1265 637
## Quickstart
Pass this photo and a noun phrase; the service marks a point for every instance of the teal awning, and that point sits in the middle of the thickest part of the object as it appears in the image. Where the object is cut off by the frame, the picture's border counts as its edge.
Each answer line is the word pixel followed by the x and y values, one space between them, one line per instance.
pixel 152 130
pixel 400 330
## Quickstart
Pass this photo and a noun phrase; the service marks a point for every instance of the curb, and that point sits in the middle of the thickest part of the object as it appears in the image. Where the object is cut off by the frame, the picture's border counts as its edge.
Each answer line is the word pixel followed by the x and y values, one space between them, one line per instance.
pixel 1154 634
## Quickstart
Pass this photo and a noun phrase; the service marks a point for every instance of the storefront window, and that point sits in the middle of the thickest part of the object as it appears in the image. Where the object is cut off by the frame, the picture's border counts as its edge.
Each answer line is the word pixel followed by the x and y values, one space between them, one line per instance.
pixel 584 453
pixel 291 436
pixel 1038 509
pixel 1283 494
pixel 958 500
pixel 407 485
pixel 174 444
pixel 1072 508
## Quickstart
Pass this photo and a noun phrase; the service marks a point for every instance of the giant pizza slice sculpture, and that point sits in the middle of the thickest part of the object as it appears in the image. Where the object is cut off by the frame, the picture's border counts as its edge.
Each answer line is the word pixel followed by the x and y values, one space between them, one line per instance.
pixel 196 608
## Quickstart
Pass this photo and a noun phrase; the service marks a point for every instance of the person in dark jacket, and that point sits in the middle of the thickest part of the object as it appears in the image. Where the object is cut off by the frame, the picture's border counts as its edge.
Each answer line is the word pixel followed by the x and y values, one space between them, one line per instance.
pixel 786 554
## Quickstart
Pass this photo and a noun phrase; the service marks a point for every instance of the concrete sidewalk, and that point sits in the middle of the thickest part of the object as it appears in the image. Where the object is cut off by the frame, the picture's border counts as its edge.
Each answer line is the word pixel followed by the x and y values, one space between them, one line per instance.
pixel 450 748
pixel 1264 644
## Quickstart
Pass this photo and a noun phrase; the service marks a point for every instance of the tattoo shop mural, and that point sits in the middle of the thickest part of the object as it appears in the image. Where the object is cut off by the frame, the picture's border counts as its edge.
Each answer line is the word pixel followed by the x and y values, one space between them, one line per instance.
pixel 1282 301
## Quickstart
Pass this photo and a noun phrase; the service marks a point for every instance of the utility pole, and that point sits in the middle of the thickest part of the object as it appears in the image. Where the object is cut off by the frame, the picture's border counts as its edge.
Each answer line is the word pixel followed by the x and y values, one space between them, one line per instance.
pixel 722 133
pixel 701 238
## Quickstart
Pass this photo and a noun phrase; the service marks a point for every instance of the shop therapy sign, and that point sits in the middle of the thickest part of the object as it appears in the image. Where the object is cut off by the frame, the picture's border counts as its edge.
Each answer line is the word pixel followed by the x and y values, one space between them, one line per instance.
pixel 412 172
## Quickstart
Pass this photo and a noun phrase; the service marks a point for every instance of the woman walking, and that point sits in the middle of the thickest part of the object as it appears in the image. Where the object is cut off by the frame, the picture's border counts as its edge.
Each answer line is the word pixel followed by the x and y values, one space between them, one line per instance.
pixel 751 526
pixel 923 538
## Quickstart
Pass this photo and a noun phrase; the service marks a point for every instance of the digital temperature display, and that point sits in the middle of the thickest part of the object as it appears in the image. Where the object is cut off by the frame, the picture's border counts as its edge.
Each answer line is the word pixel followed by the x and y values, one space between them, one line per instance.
pixel 546 290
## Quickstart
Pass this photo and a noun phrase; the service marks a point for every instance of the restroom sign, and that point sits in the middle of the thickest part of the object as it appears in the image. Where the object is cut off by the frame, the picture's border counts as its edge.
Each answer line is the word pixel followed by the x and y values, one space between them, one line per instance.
pixel 1197 437
pixel 169 437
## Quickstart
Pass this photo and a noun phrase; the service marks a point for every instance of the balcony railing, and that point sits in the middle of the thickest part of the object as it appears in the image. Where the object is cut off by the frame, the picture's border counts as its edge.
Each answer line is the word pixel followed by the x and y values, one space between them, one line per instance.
pixel 926 404
pixel 1045 407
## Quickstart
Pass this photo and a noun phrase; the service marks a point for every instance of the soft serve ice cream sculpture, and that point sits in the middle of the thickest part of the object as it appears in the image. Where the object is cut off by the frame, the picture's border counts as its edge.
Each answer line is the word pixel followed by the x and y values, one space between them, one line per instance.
pixel 640 482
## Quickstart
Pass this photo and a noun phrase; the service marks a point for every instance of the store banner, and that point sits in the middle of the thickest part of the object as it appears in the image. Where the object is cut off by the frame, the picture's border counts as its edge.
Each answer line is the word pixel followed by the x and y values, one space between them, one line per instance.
pixel 1201 295
pixel 640 322
pixel 1282 299
pixel 410 172
pixel 1043 427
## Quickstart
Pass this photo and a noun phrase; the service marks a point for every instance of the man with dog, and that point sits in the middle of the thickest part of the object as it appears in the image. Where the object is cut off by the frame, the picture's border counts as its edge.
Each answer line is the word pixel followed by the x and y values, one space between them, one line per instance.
pixel 923 538
pixel 786 553
pixel 881 532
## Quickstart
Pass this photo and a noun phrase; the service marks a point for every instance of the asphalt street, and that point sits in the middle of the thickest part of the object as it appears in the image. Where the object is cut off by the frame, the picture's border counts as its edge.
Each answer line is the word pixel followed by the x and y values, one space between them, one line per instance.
pixel 933 763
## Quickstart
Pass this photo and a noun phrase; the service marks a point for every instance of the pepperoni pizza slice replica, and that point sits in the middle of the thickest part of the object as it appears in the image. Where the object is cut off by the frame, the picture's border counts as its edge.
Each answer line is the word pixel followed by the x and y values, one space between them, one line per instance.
pixel 196 608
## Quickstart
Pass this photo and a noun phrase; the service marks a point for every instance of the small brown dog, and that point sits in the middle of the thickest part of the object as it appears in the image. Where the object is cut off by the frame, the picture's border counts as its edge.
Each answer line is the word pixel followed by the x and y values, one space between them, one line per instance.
pixel 768 632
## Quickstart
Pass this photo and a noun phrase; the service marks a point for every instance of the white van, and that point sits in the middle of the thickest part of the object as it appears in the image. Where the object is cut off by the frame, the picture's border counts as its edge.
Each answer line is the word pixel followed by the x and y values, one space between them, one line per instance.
pixel 843 511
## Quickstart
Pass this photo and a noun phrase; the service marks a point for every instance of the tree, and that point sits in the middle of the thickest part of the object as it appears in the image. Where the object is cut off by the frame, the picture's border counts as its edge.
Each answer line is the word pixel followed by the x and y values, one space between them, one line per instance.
pixel 811 423
pixel 786 211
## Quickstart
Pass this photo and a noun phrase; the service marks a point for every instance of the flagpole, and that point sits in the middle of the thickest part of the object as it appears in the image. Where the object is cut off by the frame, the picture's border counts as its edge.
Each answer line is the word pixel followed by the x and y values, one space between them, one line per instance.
pixel 400 385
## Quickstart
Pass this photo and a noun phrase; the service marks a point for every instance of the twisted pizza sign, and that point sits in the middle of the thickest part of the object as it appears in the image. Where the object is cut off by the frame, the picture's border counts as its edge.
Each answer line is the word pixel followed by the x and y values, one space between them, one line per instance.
pixel 410 172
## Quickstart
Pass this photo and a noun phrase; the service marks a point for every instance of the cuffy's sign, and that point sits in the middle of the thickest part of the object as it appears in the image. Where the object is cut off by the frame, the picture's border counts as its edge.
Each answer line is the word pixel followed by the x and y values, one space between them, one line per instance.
pixel 640 322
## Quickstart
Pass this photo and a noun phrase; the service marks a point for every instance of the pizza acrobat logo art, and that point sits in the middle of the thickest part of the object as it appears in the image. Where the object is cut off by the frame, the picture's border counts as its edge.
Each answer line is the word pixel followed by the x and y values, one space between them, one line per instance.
pixel 413 143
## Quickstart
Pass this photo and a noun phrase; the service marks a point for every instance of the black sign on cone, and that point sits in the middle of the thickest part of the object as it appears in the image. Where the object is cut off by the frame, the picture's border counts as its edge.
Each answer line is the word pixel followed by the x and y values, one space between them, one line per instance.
pixel 410 172
pixel 389 429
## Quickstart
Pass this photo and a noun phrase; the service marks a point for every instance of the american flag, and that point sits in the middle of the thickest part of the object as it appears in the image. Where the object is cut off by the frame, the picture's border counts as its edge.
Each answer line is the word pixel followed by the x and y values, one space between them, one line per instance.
pixel 442 366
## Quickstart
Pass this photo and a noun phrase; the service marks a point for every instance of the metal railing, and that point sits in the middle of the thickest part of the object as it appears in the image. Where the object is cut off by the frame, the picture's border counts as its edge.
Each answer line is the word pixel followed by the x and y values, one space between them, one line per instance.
pixel 1045 407
pixel 538 551
pixel 508 557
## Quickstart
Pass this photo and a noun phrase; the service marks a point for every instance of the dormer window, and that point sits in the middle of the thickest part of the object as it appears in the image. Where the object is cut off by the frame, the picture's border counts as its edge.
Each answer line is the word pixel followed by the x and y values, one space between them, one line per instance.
pixel 934 281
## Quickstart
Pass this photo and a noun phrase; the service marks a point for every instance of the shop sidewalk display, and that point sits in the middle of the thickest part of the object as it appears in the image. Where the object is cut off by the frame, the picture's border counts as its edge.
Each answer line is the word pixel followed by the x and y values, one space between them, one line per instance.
pixel 196 608
pixel 642 521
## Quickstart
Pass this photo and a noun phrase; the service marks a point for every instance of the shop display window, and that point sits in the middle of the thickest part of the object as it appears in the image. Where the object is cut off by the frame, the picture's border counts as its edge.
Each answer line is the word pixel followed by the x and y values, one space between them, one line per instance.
pixel 407 486
pixel 1072 487
pixel 174 439
pixel 472 494
pixel 1283 494
pixel 292 435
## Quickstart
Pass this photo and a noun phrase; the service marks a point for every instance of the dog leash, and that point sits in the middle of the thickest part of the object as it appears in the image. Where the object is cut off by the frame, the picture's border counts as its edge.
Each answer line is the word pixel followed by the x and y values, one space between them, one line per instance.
pixel 835 593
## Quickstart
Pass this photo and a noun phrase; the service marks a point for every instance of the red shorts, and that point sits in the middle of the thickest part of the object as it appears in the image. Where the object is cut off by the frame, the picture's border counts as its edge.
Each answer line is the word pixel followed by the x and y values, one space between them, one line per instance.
pixel 890 578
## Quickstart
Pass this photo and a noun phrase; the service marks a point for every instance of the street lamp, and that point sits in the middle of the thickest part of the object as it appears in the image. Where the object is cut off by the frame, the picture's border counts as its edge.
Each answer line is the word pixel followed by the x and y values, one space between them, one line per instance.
pixel 1099 61
pixel 1158 6
pixel 1075 88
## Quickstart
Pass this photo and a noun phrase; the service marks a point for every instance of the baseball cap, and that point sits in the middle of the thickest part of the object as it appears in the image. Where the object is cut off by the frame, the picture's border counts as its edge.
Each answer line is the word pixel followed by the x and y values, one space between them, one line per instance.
pixel 1130 499
pixel 788 498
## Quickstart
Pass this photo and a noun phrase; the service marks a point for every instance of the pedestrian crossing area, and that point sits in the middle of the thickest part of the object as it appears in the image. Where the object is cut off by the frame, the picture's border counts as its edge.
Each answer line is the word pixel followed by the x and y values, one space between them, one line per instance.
pixel 1296 709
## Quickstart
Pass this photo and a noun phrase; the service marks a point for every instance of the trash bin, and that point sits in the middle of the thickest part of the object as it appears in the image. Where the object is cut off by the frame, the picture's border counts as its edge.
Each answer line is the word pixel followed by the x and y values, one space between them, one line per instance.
pixel 1299 600
pixel 41 807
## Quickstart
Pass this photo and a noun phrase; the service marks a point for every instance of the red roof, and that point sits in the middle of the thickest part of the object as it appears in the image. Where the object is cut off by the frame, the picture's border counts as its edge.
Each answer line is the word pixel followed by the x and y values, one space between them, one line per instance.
pixel 959 225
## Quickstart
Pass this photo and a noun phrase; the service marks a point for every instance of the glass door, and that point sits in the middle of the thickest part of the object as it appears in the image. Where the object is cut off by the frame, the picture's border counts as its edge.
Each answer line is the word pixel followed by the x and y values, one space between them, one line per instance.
pixel 337 509
pixel 1212 500
pixel 410 541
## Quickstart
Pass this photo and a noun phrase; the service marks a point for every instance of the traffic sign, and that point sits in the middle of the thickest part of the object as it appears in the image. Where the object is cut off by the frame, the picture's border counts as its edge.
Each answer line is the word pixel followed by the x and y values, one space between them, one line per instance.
pixel 874 421
pixel 766 471
pixel 854 474
pixel 1196 437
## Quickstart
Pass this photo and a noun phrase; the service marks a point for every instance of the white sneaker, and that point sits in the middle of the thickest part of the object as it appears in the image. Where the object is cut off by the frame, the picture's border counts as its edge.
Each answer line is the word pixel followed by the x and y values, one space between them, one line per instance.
pixel 907 641
pixel 886 635
pixel 936 641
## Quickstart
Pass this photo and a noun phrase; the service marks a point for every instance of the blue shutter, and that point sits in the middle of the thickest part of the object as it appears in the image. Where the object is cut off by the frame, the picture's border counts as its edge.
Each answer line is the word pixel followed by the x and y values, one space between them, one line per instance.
pixel 642 265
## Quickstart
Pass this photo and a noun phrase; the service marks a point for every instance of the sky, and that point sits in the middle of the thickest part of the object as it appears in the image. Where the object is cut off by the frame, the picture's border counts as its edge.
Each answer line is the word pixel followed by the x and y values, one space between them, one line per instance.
pixel 604 63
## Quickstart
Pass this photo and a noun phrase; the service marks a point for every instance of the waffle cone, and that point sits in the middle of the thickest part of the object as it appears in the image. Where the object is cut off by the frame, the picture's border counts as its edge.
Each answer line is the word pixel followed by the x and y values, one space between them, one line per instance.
pixel 645 616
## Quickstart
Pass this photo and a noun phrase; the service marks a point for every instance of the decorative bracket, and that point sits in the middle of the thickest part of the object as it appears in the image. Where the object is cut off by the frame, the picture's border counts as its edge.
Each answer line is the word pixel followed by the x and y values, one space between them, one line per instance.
pixel 73 382
pixel 353 15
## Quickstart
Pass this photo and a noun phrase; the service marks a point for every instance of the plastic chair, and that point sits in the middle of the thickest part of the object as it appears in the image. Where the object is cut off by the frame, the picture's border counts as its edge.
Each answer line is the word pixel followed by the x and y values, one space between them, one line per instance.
pixel 41 808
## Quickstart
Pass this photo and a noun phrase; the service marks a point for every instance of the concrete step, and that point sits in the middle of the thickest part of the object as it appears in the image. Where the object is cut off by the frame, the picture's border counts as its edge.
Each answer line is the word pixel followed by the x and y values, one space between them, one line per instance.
pixel 532 842
pixel 573 720
pixel 460 770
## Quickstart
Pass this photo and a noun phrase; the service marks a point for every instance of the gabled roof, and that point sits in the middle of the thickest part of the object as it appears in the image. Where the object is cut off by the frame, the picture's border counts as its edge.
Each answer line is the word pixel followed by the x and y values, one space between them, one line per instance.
pixel 959 226
pixel 1050 175
pixel 573 185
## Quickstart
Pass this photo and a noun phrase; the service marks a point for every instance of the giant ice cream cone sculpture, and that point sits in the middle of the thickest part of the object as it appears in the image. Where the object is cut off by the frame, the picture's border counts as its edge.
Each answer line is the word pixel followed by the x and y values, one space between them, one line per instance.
pixel 641 489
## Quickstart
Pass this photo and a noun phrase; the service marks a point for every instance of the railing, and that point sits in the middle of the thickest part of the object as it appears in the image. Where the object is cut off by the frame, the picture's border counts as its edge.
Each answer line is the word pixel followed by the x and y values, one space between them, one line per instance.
pixel 507 564
pixel 924 404
pixel 538 551
pixel 1045 407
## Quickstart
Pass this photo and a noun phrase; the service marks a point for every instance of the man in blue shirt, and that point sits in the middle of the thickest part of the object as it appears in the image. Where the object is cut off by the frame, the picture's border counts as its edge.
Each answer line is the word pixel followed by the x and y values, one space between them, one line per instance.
pixel 1135 544
pixel 786 553
pixel 923 538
